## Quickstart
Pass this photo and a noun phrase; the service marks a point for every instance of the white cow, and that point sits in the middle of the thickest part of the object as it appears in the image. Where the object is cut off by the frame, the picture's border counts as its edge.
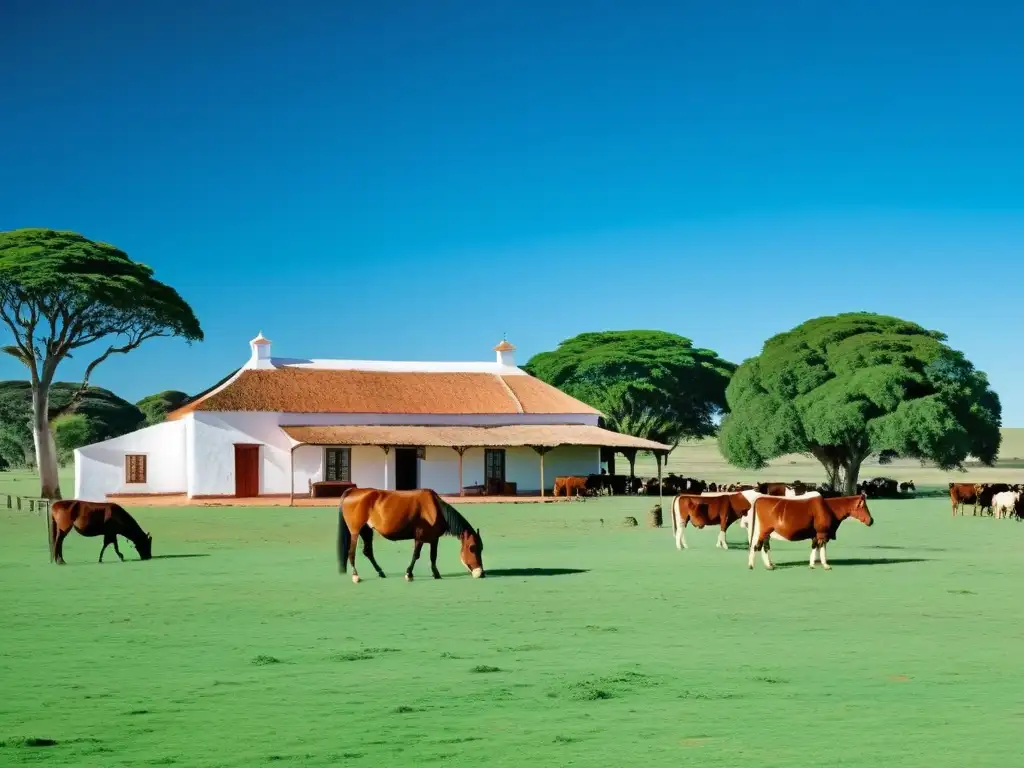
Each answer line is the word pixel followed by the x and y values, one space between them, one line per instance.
pixel 1005 504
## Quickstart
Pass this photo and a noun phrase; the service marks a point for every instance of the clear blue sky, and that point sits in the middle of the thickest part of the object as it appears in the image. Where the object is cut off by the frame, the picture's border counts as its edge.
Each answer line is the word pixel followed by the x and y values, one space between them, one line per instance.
pixel 409 180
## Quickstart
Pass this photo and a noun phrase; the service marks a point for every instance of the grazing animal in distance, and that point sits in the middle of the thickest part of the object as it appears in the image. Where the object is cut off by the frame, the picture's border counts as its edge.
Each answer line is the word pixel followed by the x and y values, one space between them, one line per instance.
pixel 720 508
pixel 420 515
pixel 961 494
pixel 89 518
pixel 570 486
pixel 1005 503
pixel 814 517
pixel 986 492
pixel 772 489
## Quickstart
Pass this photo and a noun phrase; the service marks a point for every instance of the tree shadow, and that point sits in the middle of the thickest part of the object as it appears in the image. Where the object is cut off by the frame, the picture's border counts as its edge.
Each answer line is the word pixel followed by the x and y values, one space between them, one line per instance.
pixel 499 572
pixel 177 557
pixel 849 561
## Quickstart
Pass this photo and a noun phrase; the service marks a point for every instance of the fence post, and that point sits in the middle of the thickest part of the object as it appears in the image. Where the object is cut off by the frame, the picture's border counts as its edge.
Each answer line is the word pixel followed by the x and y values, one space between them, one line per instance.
pixel 19 501
pixel 10 501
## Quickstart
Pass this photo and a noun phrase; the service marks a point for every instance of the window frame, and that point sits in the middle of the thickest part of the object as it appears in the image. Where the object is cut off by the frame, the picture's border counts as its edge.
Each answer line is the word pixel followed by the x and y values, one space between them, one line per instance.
pixel 345 450
pixel 130 476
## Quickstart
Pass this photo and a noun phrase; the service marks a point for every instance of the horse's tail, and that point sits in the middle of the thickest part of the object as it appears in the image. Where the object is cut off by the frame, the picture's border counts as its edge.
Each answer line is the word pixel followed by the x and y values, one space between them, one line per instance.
pixel 673 510
pixel 344 537
pixel 51 533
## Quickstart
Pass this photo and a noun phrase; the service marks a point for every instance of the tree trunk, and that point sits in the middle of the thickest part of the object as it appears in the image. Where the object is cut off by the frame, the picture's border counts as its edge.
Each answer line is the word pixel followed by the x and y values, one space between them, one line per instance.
pixel 46 449
pixel 852 475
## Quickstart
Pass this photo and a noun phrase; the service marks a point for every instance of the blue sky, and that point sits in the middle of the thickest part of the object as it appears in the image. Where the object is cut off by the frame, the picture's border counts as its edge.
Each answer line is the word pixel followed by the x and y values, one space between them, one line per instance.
pixel 407 180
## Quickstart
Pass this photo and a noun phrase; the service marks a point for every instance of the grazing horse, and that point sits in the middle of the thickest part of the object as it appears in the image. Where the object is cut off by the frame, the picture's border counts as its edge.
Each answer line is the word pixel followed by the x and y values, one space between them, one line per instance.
pixel 420 515
pixel 813 518
pixel 723 509
pixel 95 519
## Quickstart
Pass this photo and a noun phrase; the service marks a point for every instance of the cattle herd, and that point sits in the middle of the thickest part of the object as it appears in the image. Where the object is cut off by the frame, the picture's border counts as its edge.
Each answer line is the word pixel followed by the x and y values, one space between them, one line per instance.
pixel 999 500
pixel 672 485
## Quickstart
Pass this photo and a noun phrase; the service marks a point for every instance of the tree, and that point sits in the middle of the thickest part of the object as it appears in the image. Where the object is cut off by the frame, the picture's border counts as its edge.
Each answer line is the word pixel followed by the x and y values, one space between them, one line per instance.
pixel 109 416
pixel 856 385
pixel 649 384
pixel 71 431
pixel 156 407
pixel 61 292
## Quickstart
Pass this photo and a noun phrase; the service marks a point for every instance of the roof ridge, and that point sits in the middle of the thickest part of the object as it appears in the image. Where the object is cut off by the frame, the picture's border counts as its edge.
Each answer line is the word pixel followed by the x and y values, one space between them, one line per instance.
pixel 515 399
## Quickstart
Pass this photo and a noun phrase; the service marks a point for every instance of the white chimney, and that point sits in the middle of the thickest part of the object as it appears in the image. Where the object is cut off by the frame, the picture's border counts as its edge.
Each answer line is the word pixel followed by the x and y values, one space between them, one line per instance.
pixel 260 352
pixel 506 354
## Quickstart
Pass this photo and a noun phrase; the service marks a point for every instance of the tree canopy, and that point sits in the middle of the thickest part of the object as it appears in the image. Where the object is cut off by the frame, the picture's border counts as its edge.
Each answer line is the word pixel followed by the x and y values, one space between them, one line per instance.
pixel 61 293
pixel 846 387
pixel 105 414
pixel 156 407
pixel 649 384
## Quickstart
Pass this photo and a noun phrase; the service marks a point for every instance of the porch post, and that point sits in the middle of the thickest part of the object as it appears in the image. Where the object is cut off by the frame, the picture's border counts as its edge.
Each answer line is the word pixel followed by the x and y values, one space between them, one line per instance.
pixel 387 450
pixel 460 450
pixel 541 449
pixel 657 457
pixel 291 477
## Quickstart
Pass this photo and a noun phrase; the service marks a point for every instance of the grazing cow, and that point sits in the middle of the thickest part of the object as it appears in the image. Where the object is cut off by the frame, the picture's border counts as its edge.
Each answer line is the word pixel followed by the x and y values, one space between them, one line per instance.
pixel 961 494
pixel 813 518
pixel 878 488
pixel 908 487
pixel 772 489
pixel 1005 504
pixel 986 492
pixel 634 485
pixel 570 486
pixel 721 508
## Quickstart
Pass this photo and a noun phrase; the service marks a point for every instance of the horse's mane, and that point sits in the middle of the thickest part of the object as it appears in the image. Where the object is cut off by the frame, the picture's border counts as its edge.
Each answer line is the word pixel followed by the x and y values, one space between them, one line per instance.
pixel 457 525
pixel 130 522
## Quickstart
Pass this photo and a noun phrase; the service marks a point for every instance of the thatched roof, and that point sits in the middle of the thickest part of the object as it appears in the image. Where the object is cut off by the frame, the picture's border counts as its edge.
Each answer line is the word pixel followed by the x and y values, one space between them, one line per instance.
pixel 548 435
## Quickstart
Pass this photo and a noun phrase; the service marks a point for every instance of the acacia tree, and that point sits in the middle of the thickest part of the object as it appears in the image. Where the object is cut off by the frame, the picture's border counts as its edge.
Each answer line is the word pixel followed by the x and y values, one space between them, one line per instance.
pixel 851 386
pixel 61 292
pixel 649 384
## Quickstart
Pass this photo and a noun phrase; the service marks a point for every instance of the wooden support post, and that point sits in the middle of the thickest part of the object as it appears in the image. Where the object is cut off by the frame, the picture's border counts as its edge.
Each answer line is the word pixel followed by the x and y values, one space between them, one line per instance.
pixel 387 450
pixel 291 477
pixel 541 449
pixel 461 450
pixel 657 457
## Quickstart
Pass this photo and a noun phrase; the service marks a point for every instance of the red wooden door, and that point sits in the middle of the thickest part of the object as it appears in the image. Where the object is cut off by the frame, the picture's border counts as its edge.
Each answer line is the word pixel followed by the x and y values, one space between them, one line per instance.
pixel 247 471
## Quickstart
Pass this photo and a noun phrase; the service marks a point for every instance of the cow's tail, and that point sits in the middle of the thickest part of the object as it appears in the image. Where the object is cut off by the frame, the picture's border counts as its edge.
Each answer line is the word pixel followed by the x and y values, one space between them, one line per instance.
pixel 344 538
pixel 674 511
pixel 51 533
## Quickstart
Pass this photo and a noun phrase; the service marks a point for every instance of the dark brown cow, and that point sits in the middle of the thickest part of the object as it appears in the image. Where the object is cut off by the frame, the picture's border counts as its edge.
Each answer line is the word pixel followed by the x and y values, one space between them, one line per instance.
pixel 772 489
pixel 814 518
pixel 722 509
pixel 961 494
pixel 570 486
pixel 985 492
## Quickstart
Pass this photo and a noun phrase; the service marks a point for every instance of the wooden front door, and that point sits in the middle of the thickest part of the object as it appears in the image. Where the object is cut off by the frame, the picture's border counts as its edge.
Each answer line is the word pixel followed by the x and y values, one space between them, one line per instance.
pixel 247 471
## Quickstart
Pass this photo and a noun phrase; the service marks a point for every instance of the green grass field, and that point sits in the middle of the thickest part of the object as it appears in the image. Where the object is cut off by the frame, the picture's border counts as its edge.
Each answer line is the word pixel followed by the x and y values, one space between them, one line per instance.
pixel 590 644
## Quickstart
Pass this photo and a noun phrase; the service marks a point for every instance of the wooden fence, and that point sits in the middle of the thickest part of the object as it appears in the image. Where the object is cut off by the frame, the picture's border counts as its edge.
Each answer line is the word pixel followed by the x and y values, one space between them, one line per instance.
pixel 32 504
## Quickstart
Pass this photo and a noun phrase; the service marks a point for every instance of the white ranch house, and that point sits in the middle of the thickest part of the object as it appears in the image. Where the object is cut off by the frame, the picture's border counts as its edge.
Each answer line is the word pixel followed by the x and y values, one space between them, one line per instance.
pixel 278 425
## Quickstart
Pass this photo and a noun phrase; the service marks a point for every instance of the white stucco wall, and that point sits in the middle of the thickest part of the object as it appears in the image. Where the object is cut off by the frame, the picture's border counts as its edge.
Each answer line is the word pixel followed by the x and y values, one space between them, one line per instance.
pixel 100 467
pixel 212 452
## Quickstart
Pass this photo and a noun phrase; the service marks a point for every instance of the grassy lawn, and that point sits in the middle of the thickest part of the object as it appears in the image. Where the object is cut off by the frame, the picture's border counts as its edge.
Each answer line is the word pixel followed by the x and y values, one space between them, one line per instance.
pixel 241 645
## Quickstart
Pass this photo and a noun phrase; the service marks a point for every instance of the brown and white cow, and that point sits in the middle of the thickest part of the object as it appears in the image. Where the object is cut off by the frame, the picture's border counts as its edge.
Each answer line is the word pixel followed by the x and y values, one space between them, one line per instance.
pixel 570 486
pixel 961 494
pixel 813 518
pixel 722 509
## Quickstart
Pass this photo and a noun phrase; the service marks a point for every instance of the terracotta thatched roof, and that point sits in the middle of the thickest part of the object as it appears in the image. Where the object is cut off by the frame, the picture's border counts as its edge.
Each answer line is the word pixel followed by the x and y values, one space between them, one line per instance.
pixel 320 390
pixel 470 437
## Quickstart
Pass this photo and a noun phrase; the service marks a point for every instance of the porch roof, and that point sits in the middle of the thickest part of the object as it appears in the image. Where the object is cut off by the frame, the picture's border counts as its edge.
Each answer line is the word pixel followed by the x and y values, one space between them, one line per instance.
pixel 539 435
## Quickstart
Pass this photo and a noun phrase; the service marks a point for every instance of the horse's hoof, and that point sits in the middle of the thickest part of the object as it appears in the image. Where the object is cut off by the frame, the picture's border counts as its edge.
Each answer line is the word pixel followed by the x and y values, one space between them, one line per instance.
pixel 437 575
pixel 769 568
pixel 408 577
pixel 827 567
pixel 382 575
pixel 355 578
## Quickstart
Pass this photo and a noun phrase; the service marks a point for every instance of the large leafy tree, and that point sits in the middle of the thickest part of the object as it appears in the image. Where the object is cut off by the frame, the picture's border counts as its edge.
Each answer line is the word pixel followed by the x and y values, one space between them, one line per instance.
pixel 61 293
pixel 855 385
pixel 156 407
pixel 650 384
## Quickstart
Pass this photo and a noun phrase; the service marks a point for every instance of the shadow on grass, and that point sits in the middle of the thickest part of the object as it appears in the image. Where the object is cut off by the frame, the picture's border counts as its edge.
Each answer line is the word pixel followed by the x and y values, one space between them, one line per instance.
pixel 499 572
pixel 176 557
pixel 845 562
pixel 912 549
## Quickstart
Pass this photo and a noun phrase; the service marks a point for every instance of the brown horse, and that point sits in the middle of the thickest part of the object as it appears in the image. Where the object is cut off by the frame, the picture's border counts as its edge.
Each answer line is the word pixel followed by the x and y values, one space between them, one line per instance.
pixel 399 516
pixel 813 518
pixel 721 509
pixel 95 519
